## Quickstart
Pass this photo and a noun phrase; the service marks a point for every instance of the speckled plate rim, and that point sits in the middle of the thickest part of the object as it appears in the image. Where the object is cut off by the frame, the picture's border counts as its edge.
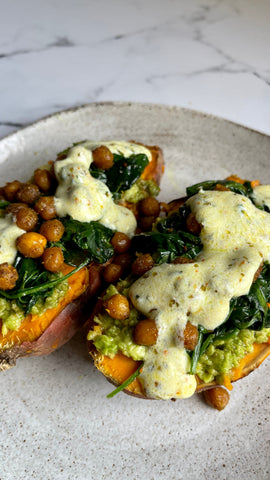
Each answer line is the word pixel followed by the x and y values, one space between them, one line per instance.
pixel 237 422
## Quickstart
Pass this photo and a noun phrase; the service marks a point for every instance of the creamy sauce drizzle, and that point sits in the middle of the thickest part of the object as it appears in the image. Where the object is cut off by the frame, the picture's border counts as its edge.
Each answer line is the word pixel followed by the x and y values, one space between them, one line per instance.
pixel 9 232
pixel 236 238
pixel 85 198
pixel 261 195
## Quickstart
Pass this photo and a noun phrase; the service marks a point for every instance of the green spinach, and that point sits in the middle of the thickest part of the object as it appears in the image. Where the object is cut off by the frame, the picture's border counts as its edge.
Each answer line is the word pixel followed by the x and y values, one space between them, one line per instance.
pixel 123 174
pixel 86 240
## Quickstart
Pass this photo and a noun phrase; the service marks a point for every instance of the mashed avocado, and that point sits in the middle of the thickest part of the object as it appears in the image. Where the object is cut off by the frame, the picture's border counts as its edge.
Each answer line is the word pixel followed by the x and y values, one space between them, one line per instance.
pixel 140 189
pixel 111 336
pixel 12 315
pixel 223 355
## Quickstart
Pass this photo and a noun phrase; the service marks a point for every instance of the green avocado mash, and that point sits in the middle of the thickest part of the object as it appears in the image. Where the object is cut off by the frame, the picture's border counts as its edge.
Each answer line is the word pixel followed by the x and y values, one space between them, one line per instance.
pixel 115 336
pixel 111 336
pixel 140 189
pixel 12 315
pixel 223 355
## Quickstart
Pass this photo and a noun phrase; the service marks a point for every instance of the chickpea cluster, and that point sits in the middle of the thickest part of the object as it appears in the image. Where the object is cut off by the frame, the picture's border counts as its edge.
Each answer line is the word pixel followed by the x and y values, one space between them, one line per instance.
pixel 33 210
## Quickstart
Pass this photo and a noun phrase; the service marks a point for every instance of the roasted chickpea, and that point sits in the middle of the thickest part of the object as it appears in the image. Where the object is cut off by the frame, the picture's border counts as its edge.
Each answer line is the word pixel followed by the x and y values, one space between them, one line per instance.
pixel 149 207
pixel 11 189
pixel 103 157
pixel 112 273
pixel 142 264
pixel 8 276
pixel 26 218
pixel 28 193
pixel 191 336
pixel 120 242
pixel 217 397
pixel 15 207
pixel 117 307
pixel 124 260
pixel 192 225
pixel 45 208
pixel 53 259
pixel 43 179
pixel 146 332
pixel 146 223
pixel 31 244
pixel 52 229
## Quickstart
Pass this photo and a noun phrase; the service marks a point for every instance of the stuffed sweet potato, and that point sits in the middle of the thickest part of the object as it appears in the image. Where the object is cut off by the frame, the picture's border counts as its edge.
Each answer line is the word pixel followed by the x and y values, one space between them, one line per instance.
pixel 195 305
pixel 56 234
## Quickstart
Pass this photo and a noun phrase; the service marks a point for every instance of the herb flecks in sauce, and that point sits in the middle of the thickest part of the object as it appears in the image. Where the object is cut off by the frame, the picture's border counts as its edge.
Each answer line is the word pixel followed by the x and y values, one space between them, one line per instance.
pixel 236 238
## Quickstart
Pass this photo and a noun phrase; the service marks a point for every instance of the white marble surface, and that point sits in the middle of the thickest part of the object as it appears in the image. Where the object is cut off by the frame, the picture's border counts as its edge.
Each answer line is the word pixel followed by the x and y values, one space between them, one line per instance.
pixel 208 55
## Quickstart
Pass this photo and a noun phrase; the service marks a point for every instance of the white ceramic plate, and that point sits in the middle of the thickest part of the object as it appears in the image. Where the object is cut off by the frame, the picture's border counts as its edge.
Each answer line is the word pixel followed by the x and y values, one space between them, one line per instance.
pixel 56 422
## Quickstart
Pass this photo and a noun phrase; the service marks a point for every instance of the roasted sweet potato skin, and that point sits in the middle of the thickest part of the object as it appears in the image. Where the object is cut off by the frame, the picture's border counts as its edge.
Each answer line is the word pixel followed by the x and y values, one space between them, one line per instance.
pixel 57 328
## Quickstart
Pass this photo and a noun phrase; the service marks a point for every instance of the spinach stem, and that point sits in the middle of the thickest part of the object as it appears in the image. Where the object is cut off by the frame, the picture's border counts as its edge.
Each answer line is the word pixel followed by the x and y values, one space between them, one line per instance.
pixel 44 286
pixel 127 382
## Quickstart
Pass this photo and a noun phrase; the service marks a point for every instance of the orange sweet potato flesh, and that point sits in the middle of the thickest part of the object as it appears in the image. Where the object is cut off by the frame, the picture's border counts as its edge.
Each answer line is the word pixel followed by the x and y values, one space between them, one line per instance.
pixel 119 369
pixel 42 334
pixel 155 168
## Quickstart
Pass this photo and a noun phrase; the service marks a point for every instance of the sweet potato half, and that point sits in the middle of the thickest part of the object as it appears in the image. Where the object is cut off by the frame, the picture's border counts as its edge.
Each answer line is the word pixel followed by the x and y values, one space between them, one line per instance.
pixel 42 334
pixel 120 368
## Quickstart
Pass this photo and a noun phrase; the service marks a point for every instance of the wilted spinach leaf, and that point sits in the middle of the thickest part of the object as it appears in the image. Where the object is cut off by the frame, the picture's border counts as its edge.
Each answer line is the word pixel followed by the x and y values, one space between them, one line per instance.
pixel 123 174
pixel 169 239
pixel 86 240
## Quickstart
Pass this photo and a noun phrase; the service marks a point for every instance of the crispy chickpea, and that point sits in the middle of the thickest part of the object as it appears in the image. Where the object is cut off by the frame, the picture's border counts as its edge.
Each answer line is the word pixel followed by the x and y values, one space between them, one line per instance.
pixel 117 307
pixel 142 264
pixel 146 332
pixel 15 207
pixel 11 189
pixel 217 397
pixel 120 242
pixel 181 260
pixel 53 259
pixel 8 276
pixel 146 223
pixel 112 273
pixel 31 244
pixel 43 179
pixel 45 208
pixel 52 229
pixel 28 193
pixel 192 225
pixel 124 260
pixel 149 207
pixel 103 157
pixel 191 336
pixel 26 218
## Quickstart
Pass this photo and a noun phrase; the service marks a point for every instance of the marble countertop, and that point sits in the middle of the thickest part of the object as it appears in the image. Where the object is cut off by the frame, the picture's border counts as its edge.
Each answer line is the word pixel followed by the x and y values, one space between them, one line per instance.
pixel 208 55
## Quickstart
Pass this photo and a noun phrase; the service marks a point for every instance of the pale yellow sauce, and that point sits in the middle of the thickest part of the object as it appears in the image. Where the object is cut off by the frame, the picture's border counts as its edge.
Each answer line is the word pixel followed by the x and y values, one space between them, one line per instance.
pixel 236 238
pixel 261 195
pixel 9 232
pixel 85 198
